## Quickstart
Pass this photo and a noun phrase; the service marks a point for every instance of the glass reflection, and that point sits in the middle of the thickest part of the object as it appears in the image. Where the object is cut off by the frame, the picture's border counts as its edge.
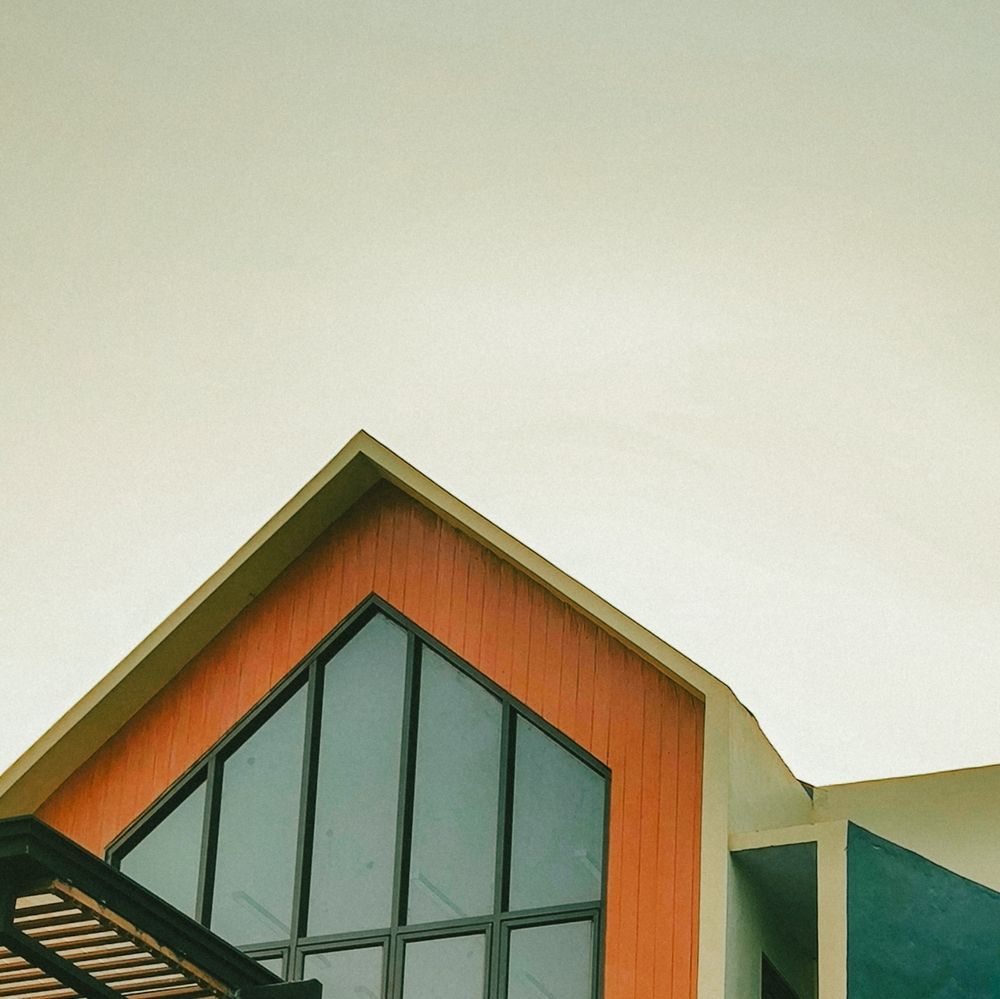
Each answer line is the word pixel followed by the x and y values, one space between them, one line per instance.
pixel 255 869
pixel 347 974
pixel 275 964
pixel 558 837
pixel 166 860
pixel 354 843
pixel 445 968
pixel 455 802
pixel 551 962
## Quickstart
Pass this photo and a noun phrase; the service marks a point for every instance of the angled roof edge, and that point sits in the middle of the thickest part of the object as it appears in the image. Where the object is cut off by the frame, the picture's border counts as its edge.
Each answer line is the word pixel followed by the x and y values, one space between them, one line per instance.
pixel 980 771
pixel 159 657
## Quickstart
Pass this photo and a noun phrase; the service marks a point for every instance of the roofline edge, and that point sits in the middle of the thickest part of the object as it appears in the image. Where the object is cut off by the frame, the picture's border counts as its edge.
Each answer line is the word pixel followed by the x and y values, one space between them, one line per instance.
pixel 162 654
pixel 168 648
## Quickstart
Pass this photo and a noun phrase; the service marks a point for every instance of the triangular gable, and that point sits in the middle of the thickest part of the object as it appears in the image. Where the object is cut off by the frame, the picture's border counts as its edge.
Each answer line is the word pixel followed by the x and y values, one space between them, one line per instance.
pixel 552 660
pixel 146 670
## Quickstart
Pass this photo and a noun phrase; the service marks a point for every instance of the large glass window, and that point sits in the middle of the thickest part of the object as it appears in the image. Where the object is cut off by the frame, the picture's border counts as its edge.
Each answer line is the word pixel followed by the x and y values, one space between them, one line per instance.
pixel 390 822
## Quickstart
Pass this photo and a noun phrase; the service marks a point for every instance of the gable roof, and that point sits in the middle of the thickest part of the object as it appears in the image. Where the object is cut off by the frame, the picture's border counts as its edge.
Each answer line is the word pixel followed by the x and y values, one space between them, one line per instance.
pixel 159 657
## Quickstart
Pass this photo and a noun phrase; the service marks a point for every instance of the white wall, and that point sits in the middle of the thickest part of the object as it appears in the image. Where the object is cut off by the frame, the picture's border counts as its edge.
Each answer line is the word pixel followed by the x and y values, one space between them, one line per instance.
pixel 763 792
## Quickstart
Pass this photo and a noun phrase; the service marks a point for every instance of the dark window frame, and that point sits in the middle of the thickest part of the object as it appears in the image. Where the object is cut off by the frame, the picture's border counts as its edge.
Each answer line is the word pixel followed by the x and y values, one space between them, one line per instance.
pixel 497 925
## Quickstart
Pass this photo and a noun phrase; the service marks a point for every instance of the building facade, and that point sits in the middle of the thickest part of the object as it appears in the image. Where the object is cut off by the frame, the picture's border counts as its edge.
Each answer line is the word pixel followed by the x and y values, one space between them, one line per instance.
pixel 388 747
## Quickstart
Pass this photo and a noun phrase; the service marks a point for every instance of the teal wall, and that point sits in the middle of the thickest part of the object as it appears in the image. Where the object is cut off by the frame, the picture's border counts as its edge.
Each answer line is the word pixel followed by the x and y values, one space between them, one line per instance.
pixel 917 930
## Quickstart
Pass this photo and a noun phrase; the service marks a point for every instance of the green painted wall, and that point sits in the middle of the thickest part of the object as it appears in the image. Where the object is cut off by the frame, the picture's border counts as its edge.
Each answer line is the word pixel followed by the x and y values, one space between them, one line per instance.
pixel 917 930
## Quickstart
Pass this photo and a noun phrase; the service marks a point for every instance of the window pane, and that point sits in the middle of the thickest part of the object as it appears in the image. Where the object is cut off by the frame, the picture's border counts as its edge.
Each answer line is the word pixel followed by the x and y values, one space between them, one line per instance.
pixel 455 802
pixel 275 964
pixel 551 961
pixel 347 974
pixel 166 860
pixel 258 827
pixel 450 968
pixel 355 833
pixel 558 838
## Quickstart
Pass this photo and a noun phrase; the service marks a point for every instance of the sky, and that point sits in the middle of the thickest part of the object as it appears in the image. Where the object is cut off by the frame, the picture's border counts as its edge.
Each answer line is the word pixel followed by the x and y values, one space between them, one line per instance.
pixel 699 300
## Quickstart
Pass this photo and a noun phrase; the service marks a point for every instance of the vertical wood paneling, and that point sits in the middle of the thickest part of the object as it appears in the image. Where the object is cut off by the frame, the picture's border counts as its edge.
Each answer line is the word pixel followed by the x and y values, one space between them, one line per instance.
pixel 457 613
pixel 505 646
pixel 586 653
pixel 630 713
pixel 553 664
pixel 521 638
pixel 564 707
pixel 535 665
pixel 646 728
pixel 649 832
pixel 474 606
pixel 444 590
pixel 666 863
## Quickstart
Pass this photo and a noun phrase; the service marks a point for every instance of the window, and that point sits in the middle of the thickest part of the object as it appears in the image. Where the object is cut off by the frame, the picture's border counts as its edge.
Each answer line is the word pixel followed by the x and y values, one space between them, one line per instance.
pixel 392 823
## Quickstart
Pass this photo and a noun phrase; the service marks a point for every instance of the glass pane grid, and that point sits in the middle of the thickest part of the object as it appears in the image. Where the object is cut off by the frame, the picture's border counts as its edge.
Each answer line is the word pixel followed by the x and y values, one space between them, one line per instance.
pixel 455 844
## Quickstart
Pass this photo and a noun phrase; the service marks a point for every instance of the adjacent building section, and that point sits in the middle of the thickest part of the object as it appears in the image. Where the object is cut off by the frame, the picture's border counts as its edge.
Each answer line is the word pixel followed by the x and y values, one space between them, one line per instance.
pixel 915 928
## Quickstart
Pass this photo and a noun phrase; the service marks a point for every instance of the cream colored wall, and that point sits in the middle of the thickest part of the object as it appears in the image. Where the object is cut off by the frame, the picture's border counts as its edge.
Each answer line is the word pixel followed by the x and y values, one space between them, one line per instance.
pixel 713 917
pixel 754 930
pixel 951 818
pixel 831 890
pixel 831 886
pixel 763 792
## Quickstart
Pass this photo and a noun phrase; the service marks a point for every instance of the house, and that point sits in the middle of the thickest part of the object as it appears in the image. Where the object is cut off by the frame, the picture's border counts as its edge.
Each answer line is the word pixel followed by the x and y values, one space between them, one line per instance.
pixel 388 747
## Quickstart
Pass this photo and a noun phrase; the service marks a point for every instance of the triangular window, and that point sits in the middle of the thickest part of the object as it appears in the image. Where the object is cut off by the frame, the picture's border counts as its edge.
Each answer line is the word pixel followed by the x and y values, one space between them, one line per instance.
pixel 392 823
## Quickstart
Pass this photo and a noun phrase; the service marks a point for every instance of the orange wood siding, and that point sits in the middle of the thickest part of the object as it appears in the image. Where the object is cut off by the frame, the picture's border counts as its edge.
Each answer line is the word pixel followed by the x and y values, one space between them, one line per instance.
pixel 644 726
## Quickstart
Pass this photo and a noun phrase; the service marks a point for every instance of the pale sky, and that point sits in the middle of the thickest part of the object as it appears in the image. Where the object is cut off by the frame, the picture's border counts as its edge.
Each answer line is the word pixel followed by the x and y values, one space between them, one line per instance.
pixel 700 300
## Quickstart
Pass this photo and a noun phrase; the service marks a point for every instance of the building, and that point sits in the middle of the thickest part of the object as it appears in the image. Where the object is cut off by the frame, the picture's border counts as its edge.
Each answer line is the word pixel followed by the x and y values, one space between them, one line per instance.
pixel 71 927
pixel 389 747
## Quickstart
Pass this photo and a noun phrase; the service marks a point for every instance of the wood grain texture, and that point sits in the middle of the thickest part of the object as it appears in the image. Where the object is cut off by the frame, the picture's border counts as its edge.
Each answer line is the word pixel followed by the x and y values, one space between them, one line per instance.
pixel 645 727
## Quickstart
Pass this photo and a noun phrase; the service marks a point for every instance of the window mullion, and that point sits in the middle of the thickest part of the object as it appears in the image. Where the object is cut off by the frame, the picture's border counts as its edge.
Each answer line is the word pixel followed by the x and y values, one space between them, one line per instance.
pixel 516 723
pixel 505 812
pixel 307 810
pixel 504 825
pixel 404 809
pixel 209 839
